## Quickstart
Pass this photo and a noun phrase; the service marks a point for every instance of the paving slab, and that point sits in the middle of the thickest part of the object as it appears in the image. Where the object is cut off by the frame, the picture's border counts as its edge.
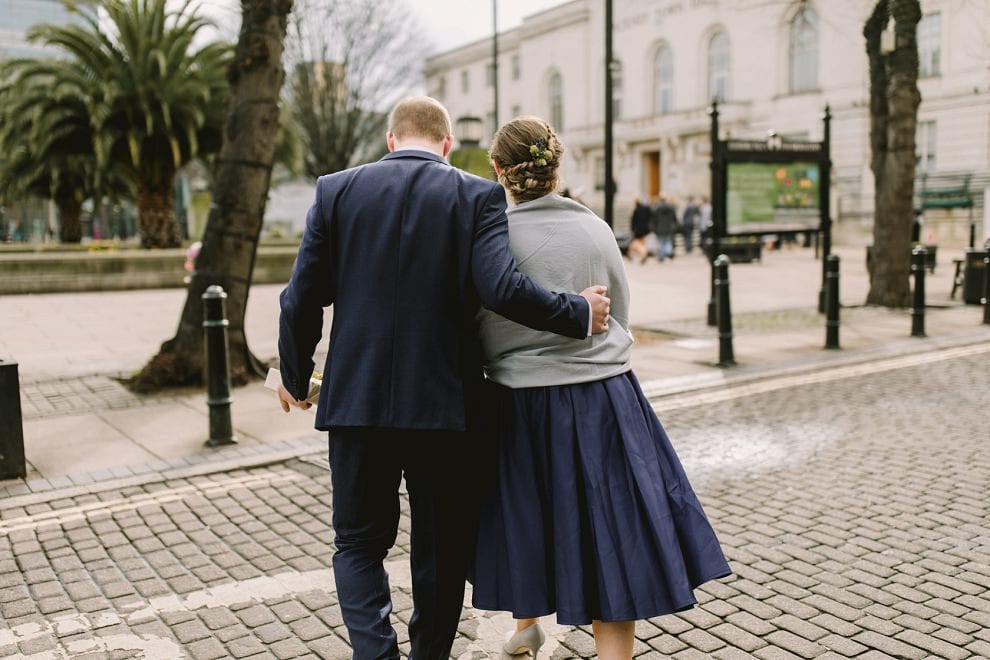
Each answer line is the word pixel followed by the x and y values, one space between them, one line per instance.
pixel 59 446
pixel 164 430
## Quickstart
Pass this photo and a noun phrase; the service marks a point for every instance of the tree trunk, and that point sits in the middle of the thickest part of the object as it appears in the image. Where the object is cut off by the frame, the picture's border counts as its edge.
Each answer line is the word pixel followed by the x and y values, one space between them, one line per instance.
pixel 894 101
pixel 240 191
pixel 70 220
pixel 157 224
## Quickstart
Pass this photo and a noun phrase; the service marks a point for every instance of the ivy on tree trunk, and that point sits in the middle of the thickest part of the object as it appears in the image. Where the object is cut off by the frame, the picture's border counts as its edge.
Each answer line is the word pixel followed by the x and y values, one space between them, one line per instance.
pixel 241 182
pixel 894 101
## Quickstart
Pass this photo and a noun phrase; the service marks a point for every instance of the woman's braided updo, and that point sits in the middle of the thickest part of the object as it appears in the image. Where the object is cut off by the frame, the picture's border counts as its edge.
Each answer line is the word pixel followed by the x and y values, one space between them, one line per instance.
pixel 528 153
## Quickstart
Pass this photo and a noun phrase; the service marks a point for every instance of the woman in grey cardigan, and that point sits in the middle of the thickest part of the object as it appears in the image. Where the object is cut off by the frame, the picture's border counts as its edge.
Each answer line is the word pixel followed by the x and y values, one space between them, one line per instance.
pixel 591 515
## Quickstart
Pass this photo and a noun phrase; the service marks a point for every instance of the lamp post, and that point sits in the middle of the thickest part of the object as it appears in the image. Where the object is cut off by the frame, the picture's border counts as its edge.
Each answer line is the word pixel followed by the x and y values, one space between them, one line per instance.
pixel 469 155
pixel 469 129
pixel 825 203
pixel 495 59
pixel 609 187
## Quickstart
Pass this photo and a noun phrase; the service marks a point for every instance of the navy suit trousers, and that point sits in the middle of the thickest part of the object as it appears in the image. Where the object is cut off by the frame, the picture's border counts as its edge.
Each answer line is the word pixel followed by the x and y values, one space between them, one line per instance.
pixel 367 466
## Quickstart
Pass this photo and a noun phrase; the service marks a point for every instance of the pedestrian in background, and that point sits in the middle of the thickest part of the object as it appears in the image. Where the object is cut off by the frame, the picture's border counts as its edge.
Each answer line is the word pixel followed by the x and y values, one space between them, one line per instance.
pixel 591 516
pixel 688 221
pixel 404 371
pixel 704 222
pixel 664 224
pixel 705 216
pixel 639 225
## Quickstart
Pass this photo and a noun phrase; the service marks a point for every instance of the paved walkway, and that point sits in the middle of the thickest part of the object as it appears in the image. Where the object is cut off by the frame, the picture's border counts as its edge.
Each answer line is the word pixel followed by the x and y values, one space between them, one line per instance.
pixel 131 539
pixel 71 348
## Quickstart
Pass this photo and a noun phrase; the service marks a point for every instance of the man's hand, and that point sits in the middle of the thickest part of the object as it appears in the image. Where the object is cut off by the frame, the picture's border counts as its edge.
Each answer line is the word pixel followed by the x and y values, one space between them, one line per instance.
pixel 287 400
pixel 595 295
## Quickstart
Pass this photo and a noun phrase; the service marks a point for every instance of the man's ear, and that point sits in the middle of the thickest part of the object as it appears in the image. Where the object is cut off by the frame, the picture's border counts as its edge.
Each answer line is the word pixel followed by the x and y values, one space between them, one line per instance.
pixel 448 145
pixel 390 141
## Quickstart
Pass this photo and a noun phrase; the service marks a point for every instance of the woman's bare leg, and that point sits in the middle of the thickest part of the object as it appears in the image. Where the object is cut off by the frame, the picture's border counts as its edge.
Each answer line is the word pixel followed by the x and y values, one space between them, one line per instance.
pixel 614 639
pixel 637 250
pixel 522 624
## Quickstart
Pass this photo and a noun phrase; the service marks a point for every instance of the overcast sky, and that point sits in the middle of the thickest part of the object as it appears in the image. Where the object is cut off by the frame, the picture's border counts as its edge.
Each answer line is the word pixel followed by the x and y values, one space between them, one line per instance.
pixel 448 23
pixel 452 23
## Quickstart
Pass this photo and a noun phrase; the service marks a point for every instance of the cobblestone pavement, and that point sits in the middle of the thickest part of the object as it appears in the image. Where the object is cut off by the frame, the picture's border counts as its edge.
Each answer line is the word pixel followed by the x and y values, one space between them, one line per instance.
pixel 65 396
pixel 851 502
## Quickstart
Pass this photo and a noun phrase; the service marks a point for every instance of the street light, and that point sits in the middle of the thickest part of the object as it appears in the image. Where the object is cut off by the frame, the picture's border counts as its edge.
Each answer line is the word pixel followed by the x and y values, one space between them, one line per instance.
pixel 495 60
pixel 609 179
pixel 469 155
pixel 469 130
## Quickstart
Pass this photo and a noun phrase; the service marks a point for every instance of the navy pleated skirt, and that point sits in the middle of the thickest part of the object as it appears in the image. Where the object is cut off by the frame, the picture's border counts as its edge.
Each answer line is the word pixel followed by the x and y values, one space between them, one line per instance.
pixel 591 514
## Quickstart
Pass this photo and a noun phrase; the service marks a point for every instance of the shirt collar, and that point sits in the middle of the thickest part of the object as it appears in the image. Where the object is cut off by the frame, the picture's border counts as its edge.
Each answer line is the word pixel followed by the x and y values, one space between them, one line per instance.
pixel 417 148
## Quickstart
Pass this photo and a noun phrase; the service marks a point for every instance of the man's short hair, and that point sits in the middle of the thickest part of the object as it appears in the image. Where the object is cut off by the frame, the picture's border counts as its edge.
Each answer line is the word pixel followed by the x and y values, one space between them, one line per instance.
pixel 420 116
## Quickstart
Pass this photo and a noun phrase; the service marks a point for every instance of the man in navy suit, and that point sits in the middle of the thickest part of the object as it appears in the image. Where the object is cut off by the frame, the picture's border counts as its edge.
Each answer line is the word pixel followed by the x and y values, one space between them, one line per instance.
pixel 407 250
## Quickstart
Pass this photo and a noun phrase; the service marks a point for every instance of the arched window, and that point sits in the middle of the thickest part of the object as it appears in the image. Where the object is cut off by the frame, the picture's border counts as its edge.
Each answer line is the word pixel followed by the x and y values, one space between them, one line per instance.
pixel 929 45
pixel 663 81
pixel 804 51
pixel 718 66
pixel 556 102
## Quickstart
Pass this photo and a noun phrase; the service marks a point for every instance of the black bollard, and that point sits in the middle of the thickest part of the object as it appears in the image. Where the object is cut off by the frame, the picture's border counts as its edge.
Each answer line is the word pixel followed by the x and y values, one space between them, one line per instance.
pixel 832 301
pixel 217 367
pixel 919 257
pixel 713 296
pixel 723 312
pixel 986 290
pixel 12 462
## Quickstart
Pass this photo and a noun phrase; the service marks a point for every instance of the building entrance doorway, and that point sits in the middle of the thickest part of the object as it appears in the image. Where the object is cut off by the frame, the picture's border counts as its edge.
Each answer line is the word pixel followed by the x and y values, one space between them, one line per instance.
pixel 651 173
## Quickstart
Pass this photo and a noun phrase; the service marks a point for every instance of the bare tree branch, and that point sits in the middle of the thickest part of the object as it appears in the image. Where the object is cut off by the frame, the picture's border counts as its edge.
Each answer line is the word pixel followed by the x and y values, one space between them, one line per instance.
pixel 350 61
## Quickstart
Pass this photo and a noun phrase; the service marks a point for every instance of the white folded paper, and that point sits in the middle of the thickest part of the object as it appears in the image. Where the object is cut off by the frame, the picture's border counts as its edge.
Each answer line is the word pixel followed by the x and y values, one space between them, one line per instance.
pixel 275 379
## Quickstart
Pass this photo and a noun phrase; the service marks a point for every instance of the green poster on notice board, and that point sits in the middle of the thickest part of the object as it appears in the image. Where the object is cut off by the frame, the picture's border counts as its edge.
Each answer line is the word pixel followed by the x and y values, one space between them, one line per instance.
pixel 769 196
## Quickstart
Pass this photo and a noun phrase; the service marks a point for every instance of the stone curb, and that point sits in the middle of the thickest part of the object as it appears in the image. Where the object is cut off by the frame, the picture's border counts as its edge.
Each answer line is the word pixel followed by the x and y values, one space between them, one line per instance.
pixel 226 459
pixel 727 377
pixel 38 491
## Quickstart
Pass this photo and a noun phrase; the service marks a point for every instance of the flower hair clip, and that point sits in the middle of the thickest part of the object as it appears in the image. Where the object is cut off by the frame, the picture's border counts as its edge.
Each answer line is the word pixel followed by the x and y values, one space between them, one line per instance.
pixel 541 155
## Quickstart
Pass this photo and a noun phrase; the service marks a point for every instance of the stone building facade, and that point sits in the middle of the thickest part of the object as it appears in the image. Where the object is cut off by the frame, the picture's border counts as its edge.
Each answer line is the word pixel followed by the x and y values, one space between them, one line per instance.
pixel 31 219
pixel 18 16
pixel 773 64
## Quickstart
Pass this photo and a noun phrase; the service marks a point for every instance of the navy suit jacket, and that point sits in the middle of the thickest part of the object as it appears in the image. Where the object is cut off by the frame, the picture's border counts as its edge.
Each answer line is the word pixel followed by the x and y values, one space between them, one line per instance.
pixel 406 249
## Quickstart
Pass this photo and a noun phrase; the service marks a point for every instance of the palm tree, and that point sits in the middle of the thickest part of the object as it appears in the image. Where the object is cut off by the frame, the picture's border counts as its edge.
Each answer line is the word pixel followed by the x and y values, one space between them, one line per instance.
pixel 155 103
pixel 46 135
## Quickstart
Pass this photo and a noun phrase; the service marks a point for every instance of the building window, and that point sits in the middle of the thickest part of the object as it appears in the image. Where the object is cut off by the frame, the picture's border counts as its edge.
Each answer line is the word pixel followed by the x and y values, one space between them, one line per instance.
pixel 924 144
pixel 490 123
pixel 600 173
pixel 804 51
pixel 663 81
pixel 516 111
pixel 929 45
pixel 465 81
pixel 616 89
pixel 718 67
pixel 490 74
pixel 556 102
pixel 439 87
pixel 516 71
